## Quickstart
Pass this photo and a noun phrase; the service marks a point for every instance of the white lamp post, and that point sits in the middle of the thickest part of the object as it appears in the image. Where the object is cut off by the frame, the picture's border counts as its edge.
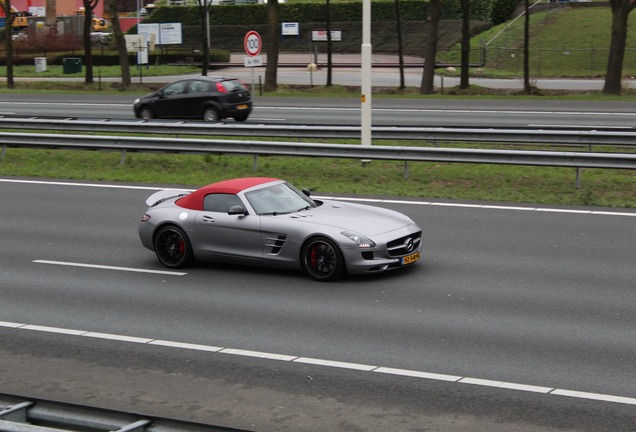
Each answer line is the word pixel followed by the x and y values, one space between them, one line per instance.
pixel 365 96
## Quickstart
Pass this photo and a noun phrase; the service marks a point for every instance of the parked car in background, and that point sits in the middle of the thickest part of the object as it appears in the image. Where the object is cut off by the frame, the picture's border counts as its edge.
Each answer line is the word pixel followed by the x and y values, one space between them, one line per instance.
pixel 209 99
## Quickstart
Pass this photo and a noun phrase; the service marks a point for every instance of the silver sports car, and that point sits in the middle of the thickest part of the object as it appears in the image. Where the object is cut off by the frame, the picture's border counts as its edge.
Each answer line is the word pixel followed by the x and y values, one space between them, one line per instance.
pixel 266 221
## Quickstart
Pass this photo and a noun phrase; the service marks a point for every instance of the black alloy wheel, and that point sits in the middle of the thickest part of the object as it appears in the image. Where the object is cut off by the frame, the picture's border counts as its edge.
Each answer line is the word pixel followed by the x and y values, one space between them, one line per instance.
pixel 173 248
pixel 322 259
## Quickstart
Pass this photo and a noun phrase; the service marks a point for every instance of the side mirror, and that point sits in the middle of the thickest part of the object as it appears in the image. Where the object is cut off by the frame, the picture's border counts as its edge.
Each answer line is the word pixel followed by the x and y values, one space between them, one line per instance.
pixel 237 210
pixel 307 192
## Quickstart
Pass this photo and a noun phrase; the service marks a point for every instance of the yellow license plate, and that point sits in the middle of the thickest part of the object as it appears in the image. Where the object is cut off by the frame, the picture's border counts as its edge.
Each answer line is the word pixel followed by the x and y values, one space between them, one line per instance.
pixel 409 259
pixel 242 107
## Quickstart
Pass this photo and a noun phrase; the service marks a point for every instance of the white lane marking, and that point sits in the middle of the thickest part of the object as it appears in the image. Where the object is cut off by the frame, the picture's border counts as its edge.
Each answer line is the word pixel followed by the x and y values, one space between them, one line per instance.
pixel 482 206
pixel 68 104
pixel 105 267
pixel 565 126
pixel 257 354
pixel 418 374
pixel 593 396
pixel 335 108
pixel 116 337
pixel 371 200
pixel 336 364
pixel 506 385
pixel 329 363
pixel 461 111
pixel 187 346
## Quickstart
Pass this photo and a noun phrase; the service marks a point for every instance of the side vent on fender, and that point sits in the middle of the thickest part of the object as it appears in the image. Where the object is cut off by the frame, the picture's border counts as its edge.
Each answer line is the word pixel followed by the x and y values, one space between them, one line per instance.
pixel 275 244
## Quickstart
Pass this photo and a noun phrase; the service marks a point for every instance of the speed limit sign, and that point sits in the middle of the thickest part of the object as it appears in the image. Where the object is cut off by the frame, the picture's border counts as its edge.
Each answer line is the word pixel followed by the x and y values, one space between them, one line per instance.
pixel 252 43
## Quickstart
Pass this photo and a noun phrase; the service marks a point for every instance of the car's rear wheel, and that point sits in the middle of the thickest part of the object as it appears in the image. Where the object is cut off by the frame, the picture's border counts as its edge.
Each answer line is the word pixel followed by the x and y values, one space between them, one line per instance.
pixel 146 113
pixel 322 259
pixel 211 114
pixel 172 247
pixel 240 118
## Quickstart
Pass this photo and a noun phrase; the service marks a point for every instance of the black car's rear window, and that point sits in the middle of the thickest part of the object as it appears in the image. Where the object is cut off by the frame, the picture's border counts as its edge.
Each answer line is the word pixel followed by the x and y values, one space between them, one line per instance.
pixel 233 85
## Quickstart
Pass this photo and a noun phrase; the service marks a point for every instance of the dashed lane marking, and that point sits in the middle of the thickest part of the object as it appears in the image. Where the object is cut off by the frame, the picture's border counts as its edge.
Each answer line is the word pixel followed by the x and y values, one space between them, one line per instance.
pixel 329 363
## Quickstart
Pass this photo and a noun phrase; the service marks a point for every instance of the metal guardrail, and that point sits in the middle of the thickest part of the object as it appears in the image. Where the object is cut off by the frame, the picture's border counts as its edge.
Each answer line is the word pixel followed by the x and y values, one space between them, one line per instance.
pixel 256 148
pixel 586 138
pixel 19 414
pixel 577 160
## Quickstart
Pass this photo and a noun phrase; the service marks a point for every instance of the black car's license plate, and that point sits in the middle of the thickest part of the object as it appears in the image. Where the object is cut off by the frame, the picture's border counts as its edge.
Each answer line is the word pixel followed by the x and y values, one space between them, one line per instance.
pixel 241 106
pixel 409 259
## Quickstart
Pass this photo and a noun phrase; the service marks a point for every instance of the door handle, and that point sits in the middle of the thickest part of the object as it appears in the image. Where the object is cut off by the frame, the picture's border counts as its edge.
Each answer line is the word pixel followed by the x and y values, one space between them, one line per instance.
pixel 207 219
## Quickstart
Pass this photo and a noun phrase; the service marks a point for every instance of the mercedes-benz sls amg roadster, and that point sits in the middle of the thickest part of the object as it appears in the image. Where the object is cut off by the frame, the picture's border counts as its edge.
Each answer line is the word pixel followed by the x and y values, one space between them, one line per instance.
pixel 269 222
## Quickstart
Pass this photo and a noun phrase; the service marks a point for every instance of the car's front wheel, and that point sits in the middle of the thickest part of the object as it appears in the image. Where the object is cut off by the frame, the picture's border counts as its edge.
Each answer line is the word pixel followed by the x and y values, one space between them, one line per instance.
pixel 211 114
pixel 146 113
pixel 172 247
pixel 322 259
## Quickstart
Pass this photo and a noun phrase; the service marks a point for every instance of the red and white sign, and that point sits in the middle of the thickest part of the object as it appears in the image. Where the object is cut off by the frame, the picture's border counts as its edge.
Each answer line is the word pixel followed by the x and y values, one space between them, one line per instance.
pixel 252 43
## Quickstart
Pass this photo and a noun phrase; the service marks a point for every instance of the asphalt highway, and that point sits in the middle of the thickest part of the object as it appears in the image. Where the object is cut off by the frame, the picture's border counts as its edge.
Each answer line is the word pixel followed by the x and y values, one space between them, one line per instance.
pixel 580 115
pixel 518 318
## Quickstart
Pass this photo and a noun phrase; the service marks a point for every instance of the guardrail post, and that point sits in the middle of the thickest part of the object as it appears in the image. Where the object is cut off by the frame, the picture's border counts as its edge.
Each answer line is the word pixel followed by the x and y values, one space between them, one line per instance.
pixel 4 150
pixel 138 426
pixel 578 177
pixel 406 170
pixel 122 160
pixel 16 413
pixel 255 163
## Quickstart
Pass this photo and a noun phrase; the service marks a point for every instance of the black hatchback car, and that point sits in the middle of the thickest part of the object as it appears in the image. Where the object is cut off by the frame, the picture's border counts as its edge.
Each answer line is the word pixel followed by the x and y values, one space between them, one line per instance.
pixel 210 99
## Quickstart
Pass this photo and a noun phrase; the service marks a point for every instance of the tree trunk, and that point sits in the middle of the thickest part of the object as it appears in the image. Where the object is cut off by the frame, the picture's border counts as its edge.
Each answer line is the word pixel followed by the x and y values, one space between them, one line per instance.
pixel 8 33
pixel 464 82
pixel 120 42
pixel 329 46
pixel 398 21
pixel 430 49
pixel 273 28
pixel 89 7
pixel 620 14
pixel 204 11
pixel 527 89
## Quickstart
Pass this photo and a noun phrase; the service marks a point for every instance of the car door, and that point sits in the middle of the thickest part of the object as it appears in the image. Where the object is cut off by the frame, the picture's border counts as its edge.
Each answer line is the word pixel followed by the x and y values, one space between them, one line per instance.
pixel 220 233
pixel 199 92
pixel 170 101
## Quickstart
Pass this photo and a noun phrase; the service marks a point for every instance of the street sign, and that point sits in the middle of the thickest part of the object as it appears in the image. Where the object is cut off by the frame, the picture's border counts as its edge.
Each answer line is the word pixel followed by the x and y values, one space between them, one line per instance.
pixel 253 61
pixel 252 43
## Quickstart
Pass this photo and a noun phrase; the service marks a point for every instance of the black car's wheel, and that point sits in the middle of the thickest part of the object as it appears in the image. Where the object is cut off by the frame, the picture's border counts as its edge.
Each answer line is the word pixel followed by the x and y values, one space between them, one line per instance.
pixel 322 260
pixel 241 118
pixel 211 114
pixel 172 247
pixel 146 113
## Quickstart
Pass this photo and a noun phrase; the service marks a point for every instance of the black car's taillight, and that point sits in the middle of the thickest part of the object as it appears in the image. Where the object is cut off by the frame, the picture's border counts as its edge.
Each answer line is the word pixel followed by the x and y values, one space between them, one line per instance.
pixel 220 87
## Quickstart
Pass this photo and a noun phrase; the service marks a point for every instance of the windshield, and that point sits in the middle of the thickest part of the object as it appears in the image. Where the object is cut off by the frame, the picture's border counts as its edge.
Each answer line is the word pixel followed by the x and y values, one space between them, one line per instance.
pixel 279 199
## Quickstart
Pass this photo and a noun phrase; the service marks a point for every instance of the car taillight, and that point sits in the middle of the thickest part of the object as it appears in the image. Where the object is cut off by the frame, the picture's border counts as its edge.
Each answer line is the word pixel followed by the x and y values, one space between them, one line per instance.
pixel 221 88
pixel 145 217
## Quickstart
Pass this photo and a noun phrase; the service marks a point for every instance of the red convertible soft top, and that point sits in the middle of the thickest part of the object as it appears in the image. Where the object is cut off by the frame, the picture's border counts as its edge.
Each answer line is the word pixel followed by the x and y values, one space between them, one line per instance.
pixel 194 201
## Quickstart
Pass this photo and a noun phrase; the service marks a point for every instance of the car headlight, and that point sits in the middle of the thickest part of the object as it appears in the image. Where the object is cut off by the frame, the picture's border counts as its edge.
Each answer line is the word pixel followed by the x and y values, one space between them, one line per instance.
pixel 137 101
pixel 362 241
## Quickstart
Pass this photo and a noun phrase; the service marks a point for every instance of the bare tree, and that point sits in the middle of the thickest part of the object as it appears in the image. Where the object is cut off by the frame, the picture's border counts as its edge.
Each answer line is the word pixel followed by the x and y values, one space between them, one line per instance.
pixel 273 28
pixel 527 88
pixel 329 46
pixel 120 42
pixel 464 82
pixel 620 14
pixel 398 22
pixel 8 34
pixel 51 16
pixel 430 49
pixel 89 7
pixel 204 13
